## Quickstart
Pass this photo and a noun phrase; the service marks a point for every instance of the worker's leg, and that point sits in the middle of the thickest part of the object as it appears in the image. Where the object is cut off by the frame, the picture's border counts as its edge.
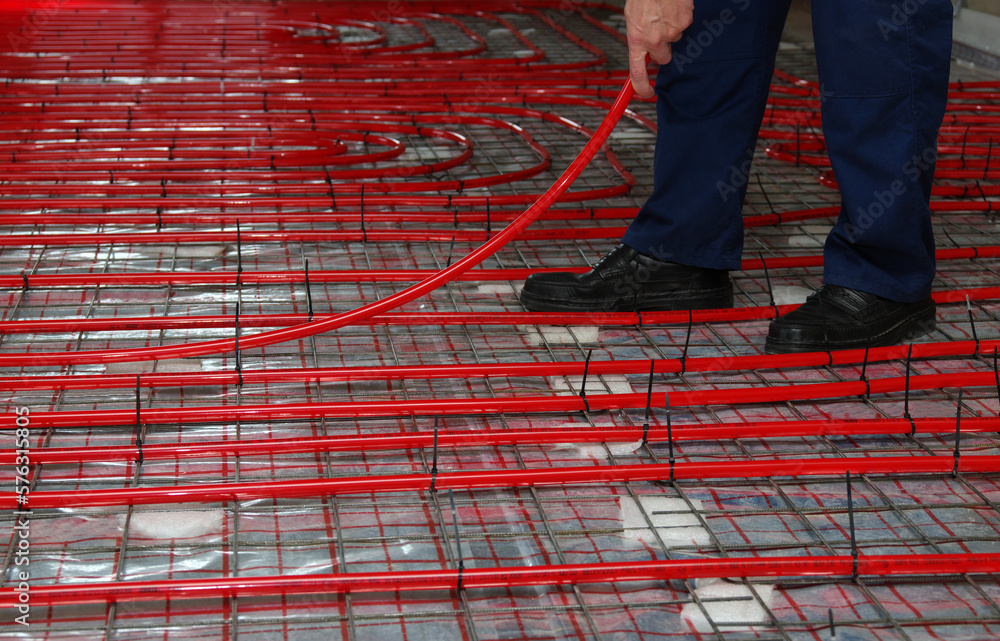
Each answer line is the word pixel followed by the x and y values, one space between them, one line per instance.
pixel 710 102
pixel 881 129
pixel 884 79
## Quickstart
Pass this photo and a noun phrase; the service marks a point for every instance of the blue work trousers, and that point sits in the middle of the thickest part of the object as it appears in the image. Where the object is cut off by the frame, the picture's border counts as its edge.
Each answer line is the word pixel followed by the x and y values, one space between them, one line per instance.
pixel 883 73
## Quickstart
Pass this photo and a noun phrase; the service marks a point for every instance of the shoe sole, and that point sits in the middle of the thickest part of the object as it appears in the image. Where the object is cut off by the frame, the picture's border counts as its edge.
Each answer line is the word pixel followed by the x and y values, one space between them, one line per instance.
pixel 916 324
pixel 712 299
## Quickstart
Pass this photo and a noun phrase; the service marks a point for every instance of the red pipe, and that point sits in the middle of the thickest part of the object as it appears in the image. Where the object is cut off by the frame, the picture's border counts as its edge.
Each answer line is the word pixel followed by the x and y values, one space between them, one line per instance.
pixel 491 479
pixel 714 364
pixel 154 323
pixel 483 438
pixel 357 315
pixel 511 577
pixel 501 405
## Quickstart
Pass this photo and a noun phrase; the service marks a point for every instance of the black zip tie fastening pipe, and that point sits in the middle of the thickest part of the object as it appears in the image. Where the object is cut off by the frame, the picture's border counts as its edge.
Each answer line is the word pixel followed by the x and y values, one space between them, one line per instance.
pixel 583 385
pixel 760 183
pixel 239 253
pixel 687 341
pixel 451 248
pixel 854 539
pixel 649 399
pixel 972 321
pixel 309 296
pixel 864 370
pixel 958 433
pixel 996 373
pixel 329 191
pixel 767 279
pixel 434 456
pixel 24 277
pixel 989 157
pixel 138 418
pixel 239 361
pixel 906 393
pixel 458 540
pixel 670 438
pixel 364 232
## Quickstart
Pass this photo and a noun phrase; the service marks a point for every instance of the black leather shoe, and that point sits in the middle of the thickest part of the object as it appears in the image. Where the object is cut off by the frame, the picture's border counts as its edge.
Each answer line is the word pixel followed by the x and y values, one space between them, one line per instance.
pixel 836 317
pixel 626 281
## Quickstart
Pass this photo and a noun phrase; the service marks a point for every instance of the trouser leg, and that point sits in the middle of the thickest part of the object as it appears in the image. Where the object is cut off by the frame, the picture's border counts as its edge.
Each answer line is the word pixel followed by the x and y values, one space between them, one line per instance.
pixel 883 70
pixel 710 101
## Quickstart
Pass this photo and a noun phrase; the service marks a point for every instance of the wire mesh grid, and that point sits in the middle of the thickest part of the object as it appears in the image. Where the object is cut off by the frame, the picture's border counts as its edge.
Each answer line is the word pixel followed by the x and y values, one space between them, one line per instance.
pixel 617 521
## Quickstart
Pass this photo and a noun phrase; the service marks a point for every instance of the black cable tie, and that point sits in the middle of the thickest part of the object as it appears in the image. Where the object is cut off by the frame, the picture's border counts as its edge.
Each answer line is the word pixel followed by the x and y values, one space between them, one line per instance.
pixel 329 190
pixel 950 239
pixel 312 117
pixel 989 157
pixel 163 187
pixel 798 143
pixel 833 629
pixel 687 341
pixel 583 385
pixel 111 177
pixel 996 372
pixel 434 456
pixel 364 232
pixel 965 143
pixel 239 253
pixel 451 248
pixel 639 315
pixel 159 218
pixel 138 418
pixel 958 429
pixel 864 370
pixel 670 438
pixel 488 221
pixel 458 540
pixel 239 363
pixel 982 193
pixel 649 400
pixel 854 540
pixel 972 321
pixel 309 296
pixel 24 277
pixel 760 183
pixel 767 279
pixel 906 393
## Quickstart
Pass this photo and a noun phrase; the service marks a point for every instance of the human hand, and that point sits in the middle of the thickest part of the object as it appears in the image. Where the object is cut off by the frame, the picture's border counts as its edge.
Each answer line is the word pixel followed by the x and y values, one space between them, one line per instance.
pixel 651 26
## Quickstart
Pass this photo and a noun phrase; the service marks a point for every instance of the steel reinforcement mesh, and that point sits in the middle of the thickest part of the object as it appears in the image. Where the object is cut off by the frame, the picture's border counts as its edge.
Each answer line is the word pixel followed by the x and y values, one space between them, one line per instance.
pixel 180 180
